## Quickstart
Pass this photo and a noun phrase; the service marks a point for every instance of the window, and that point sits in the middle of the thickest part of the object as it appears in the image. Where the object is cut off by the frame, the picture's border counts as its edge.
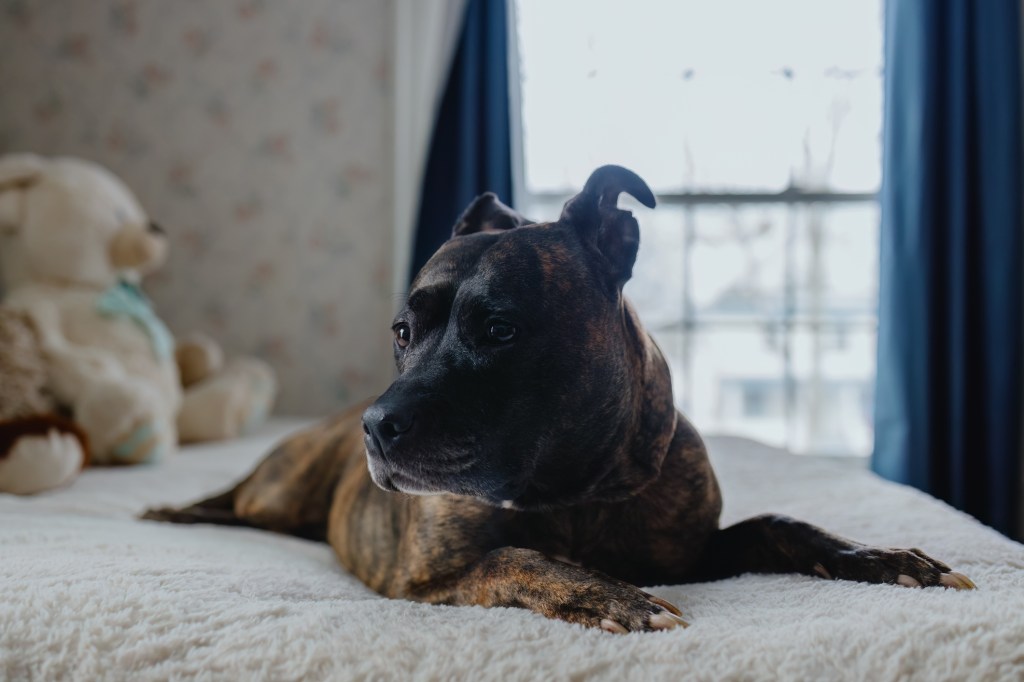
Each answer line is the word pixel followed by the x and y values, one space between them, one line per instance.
pixel 758 125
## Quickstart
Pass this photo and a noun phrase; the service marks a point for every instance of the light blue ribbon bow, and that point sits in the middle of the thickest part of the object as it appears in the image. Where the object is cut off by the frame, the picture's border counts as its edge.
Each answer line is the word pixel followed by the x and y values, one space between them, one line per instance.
pixel 125 299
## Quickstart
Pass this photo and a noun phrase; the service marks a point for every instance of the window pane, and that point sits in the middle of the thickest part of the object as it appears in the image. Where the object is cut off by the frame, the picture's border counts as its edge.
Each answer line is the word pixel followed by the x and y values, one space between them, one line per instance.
pixel 766 312
pixel 657 285
pixel 736 382
pixel 542 210
pixel 836 261
pixel 694 100
pixel 737 262
pixel 833 375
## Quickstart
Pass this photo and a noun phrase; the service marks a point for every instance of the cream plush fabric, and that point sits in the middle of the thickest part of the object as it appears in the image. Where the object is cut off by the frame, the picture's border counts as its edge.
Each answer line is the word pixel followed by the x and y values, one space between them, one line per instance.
pixel 74 243
pixel 87 592
pixel 69 231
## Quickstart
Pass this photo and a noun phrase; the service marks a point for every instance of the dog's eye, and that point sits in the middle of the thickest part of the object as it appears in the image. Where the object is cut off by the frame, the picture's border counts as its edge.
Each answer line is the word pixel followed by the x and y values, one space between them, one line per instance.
pixel 501 331
pixel 403 334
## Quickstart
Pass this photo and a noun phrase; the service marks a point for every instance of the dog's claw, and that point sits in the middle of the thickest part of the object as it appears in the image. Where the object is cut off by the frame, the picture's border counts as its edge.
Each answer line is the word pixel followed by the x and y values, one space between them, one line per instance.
pixel 609 625
pixel 907 581
pixel 958 581
pixel 681 623
pixel 666 621
pixel 822 571
pixel 668 606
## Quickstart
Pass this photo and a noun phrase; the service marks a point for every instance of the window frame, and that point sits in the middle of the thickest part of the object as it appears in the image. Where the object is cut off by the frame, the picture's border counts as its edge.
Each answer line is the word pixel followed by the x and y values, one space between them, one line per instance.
pixel 689 322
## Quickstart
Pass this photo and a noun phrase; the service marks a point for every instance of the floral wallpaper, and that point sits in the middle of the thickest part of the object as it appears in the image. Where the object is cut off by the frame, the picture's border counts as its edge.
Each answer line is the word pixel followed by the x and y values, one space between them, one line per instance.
pixel 258 134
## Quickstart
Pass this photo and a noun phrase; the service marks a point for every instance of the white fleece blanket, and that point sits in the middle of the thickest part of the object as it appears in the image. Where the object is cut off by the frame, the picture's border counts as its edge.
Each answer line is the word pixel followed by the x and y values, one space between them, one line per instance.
pixel 89 593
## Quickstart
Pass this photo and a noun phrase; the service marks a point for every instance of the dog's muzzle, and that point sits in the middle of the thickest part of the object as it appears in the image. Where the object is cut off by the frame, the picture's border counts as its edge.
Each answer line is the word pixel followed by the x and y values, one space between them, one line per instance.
pixel 384 426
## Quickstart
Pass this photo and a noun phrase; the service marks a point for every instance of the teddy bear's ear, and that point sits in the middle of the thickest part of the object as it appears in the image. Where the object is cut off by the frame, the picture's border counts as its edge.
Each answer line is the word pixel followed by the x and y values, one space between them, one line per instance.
pixel 17 171
pixel 20 169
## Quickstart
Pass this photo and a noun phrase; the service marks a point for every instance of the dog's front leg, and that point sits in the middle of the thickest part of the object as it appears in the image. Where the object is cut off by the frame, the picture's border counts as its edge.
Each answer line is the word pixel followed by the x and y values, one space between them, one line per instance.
pixel 524 578
pixel 773 543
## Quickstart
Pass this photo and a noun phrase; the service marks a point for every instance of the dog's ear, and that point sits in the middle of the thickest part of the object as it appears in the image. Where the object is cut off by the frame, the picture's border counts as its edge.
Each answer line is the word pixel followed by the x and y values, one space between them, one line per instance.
pixel 597 218
pixel 17 172
pixel 487 214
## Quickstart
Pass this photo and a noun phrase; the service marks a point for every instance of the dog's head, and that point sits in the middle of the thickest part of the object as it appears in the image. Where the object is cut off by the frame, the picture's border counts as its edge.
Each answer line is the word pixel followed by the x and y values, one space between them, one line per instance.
pixel 525 379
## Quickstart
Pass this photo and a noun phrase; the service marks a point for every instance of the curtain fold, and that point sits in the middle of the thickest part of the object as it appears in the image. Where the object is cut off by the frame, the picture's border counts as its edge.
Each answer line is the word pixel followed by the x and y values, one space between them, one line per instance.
pixel 426 32
pixel 470 149
pixel 949 390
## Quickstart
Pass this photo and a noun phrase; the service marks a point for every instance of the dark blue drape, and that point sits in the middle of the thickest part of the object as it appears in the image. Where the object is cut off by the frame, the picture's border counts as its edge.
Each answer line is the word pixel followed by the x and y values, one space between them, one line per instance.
pixel 470 150
pixel 948 402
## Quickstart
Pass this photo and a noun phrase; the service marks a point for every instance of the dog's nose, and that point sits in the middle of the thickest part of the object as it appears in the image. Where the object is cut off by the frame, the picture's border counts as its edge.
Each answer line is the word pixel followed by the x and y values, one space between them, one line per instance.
pixel 386 423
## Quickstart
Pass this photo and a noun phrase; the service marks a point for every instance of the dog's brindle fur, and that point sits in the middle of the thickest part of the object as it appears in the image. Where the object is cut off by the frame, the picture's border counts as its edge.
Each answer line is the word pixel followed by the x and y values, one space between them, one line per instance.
pixel 533 419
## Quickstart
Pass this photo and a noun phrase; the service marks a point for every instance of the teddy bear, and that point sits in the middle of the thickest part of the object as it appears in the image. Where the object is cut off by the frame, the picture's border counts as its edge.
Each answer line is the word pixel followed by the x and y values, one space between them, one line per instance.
pixel 39 449
pixel 74 246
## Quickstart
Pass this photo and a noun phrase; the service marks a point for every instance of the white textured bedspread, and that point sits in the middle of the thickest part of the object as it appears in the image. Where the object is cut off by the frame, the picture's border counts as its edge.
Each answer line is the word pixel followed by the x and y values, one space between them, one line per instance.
pixel 89 593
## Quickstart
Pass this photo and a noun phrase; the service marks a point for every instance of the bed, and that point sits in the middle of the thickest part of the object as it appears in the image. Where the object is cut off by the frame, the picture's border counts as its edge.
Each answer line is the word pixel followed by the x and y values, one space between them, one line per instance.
pixel 88 592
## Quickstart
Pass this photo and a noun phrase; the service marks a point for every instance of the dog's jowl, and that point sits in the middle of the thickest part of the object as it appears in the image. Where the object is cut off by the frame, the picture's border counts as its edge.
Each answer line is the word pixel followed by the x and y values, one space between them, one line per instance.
pixel 529 453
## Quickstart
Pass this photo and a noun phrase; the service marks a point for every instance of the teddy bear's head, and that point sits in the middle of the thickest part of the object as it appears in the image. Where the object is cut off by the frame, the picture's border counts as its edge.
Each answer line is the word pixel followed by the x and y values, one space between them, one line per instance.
pixel 71 222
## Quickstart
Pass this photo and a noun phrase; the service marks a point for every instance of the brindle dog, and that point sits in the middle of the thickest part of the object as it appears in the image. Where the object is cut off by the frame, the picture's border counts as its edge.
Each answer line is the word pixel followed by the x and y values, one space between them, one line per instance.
pixel 529 453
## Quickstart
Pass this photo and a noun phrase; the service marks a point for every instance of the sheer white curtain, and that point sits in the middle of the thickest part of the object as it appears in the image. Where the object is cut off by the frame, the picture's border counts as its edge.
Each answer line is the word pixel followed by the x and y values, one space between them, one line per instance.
pixel 426 32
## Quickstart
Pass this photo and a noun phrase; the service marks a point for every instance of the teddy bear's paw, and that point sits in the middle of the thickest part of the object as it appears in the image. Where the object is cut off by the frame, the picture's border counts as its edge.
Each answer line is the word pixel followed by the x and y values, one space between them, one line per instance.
pixel 41 462
pixel 228 404
pixel 261 389
pixel 125 422
pixel 142 443
pixel 199 357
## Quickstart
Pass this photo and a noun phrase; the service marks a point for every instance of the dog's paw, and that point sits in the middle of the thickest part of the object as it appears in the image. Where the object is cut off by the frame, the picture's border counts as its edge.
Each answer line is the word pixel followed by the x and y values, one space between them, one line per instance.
pixel 165 514
pixel 620 608
pixel 192 514
pixel 906 567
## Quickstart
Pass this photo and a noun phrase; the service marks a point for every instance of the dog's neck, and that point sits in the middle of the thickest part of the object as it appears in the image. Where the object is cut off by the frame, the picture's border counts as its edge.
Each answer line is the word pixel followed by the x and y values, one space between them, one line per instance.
pixel 654 412
pixel 626 457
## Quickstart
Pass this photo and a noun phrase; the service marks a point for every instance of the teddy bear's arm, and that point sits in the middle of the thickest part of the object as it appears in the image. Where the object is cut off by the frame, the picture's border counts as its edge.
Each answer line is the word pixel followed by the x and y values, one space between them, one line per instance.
pixel 71 367
pixel 198 357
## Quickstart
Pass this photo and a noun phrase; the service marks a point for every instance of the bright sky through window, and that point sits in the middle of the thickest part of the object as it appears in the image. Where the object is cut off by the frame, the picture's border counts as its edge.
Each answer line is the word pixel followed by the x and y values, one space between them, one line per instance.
pixel 765 304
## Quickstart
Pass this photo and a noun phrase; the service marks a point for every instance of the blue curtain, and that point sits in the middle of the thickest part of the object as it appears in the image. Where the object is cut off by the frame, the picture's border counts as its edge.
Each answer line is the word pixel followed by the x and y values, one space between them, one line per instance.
pixel 948 402
pixel 470 149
